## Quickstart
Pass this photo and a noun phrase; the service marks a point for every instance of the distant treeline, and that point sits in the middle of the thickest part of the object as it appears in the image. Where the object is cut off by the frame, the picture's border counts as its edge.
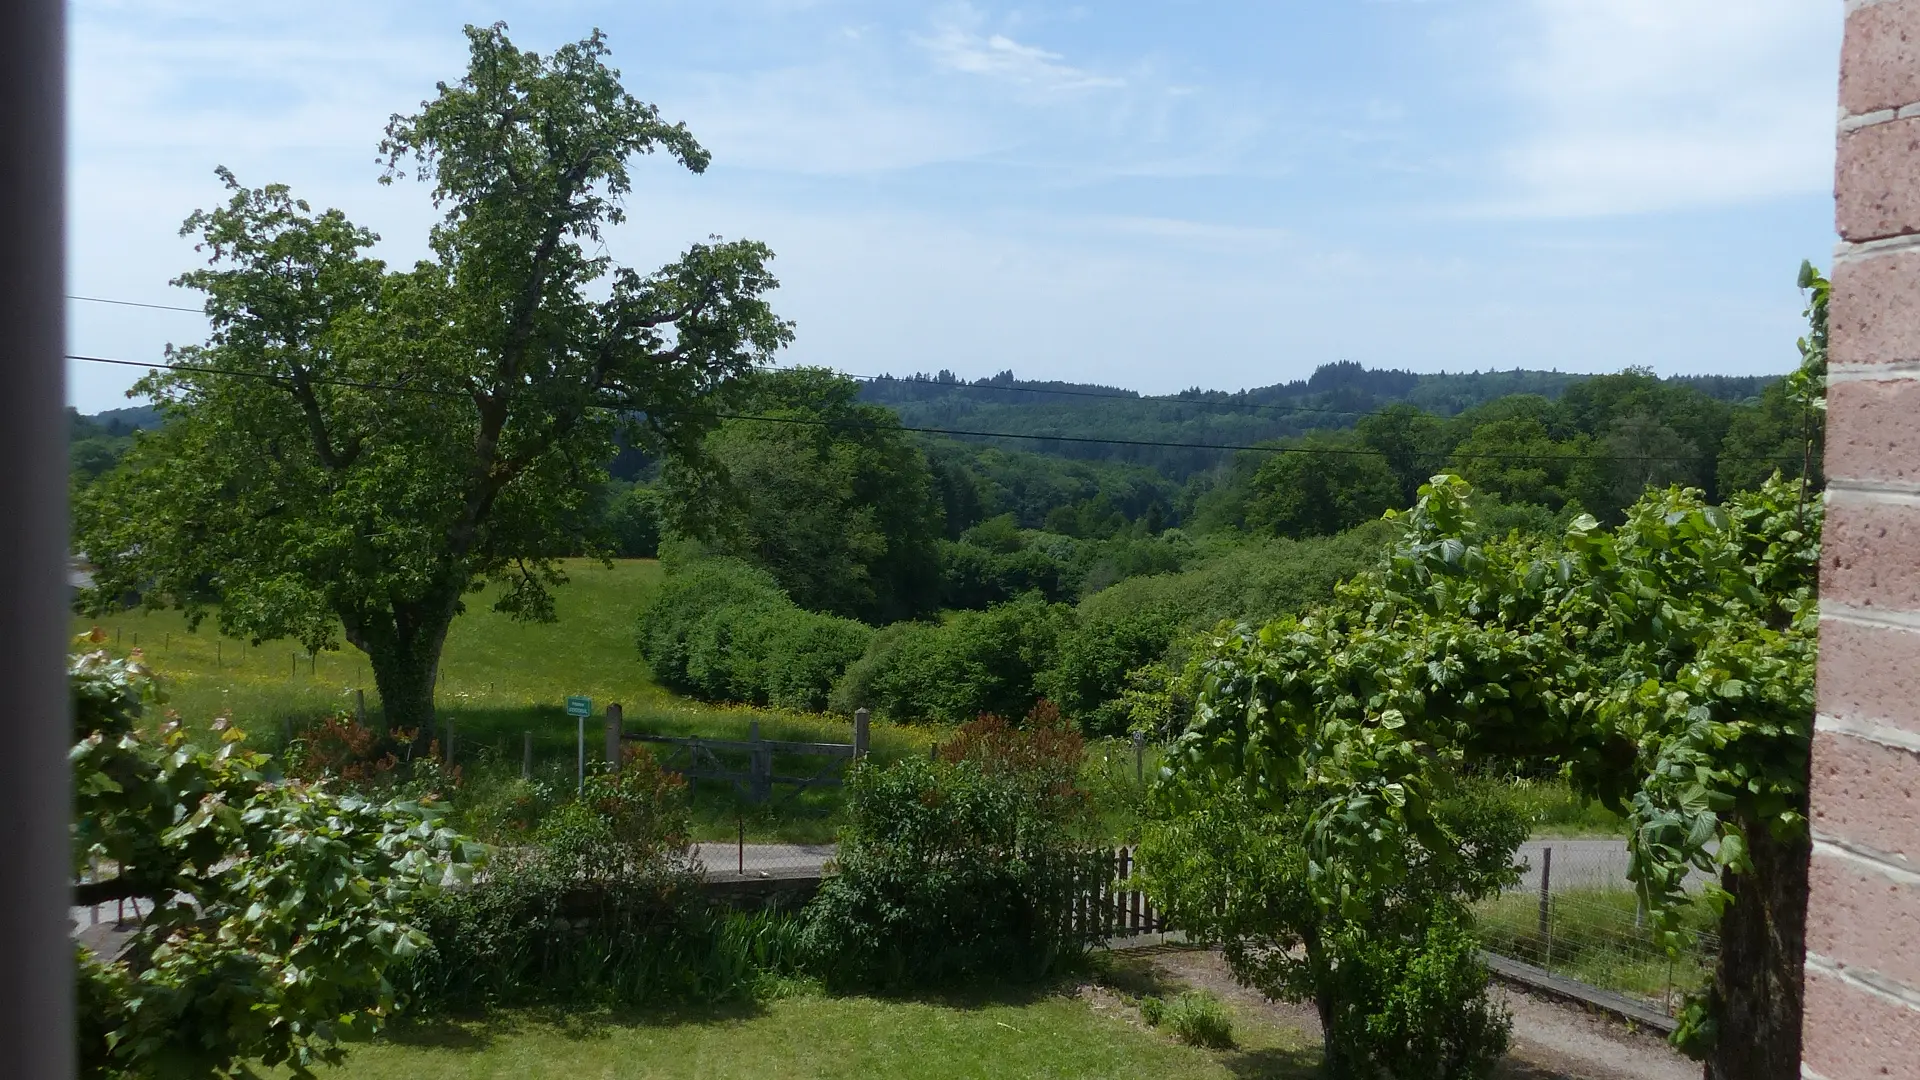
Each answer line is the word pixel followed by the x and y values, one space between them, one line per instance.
pixel 841 560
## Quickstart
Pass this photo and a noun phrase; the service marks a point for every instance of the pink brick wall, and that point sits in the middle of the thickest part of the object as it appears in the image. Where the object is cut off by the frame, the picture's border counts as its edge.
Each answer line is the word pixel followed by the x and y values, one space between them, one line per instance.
pixel 1863 927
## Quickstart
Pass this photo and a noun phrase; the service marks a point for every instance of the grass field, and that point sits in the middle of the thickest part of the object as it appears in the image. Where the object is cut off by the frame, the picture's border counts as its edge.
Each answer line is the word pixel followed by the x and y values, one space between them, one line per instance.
pixel 812 1036
pixel 1593 935
pixel 498 680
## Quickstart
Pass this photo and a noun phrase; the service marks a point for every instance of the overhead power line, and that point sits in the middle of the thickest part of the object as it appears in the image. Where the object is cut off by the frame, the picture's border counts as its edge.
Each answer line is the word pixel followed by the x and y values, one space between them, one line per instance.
pixel 960 432
pixel 981 387
pixel 137 303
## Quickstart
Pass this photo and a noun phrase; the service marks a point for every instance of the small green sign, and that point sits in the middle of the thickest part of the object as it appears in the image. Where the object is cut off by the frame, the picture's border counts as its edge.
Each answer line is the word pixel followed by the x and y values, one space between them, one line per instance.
pixel 579 706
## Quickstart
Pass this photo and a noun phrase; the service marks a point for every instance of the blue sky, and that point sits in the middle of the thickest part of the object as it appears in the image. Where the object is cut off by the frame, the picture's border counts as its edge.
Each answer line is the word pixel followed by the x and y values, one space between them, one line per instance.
pixel 1151 195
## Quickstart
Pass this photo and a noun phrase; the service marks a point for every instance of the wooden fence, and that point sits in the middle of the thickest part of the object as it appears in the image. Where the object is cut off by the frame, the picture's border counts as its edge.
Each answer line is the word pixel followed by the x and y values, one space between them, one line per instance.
pixel 1109 910
pixel 699 759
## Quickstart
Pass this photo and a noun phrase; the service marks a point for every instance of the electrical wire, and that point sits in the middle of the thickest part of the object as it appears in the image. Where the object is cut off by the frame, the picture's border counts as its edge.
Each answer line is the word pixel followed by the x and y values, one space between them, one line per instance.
pixel 959 432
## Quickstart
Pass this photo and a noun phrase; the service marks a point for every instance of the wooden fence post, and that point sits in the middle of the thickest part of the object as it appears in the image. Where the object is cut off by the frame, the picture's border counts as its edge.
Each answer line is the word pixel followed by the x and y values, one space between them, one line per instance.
pixel 526 757
pixel 1139 757
pixel 862 719
pixel 360 708
pixel 759 767
pixel 616 728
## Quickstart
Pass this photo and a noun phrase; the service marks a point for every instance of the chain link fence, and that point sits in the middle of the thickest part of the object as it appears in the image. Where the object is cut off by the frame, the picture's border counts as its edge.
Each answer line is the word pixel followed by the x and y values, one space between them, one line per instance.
pixel 1575 915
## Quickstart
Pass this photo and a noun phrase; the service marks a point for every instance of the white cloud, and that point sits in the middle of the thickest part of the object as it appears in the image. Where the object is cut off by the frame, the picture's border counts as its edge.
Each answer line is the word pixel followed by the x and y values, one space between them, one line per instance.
pixel 958 46
pixel 1648 105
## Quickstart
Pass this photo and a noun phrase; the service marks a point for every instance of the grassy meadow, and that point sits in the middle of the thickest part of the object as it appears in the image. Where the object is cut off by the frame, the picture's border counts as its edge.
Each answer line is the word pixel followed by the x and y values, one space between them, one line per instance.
pixel 498 681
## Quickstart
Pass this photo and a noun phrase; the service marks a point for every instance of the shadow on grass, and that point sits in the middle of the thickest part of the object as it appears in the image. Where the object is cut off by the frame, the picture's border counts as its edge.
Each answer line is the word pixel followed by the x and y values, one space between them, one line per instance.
pixel 476 1032
pixel 1273 1063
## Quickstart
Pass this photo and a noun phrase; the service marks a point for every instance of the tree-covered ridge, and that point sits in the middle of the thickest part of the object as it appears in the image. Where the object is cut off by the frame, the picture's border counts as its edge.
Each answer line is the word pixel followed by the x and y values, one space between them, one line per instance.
pixel 1336 396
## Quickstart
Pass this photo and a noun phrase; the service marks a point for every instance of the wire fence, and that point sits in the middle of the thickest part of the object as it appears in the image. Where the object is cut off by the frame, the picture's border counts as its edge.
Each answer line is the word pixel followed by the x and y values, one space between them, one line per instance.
pixel 1575 915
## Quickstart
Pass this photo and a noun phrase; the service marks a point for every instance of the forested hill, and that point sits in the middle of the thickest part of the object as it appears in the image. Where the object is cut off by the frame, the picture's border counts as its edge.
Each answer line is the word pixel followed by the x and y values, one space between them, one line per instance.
pixel 1334 397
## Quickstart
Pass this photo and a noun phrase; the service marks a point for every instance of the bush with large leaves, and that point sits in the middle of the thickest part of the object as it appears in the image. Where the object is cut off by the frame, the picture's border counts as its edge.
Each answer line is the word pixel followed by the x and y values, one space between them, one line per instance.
pixel 1666 665
pixel 276 907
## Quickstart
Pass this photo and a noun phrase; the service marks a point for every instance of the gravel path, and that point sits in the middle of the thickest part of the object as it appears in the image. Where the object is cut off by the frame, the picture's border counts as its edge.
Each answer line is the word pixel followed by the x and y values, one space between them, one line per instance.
pixel 1551 1041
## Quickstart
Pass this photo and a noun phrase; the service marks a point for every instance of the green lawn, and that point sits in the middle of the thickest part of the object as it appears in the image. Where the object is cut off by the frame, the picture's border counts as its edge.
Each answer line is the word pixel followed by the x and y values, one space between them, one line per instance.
pixel 1052 1035
pixel 498 680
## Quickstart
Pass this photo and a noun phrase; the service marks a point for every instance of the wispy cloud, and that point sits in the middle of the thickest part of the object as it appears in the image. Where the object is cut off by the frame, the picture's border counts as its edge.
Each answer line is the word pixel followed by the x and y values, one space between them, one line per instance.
pixel 1650 105
pixel 958 45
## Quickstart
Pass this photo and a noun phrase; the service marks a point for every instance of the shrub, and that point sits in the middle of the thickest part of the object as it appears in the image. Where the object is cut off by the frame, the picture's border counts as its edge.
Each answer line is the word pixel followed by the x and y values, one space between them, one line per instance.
pixel 977 662
pixel 675 613
pixel 1092 660
pixel 603 905
pixel 1419 1009
pixel 1199 1018
pixel 724 631
pixel 948 872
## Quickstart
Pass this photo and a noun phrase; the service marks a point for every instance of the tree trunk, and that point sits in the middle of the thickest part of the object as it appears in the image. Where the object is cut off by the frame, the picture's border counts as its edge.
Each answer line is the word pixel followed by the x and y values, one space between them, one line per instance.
pixel 1757 986
pixel 405 657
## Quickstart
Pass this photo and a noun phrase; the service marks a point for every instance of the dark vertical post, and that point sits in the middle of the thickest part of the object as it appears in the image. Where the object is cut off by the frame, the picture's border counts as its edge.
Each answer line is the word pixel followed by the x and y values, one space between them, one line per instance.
pixel 526 757
pixel 616 731
pixel 740 847
pixel 1546 883
pixel 759 768
pixel 862 731
pixel 36 954
pixel 1139 757
pixel 360 707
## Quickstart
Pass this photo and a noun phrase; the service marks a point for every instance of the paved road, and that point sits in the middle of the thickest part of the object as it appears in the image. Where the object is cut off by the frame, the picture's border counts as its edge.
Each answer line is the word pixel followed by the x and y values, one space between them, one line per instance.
pixel 1576 863
pixel 726 858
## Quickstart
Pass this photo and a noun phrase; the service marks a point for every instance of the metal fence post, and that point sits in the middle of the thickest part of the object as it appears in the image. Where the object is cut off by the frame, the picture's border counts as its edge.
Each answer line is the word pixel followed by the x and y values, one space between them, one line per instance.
pixel 616 730
pixel 1546 923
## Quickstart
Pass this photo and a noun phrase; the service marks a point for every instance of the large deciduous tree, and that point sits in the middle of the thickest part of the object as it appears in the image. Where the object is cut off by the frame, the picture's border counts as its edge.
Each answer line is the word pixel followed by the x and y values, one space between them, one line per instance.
pixel 824 491
pixel 355 449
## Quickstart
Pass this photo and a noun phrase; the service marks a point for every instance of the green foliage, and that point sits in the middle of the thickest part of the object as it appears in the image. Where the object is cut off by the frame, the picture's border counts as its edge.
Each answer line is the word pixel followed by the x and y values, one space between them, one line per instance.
pixel 277 908
pixel 975 662
pixel 1418 1009
pixel 1196 1017
pixel 1251 874
pixel 724 631
pixel 1320 486
pixel 1093 658
pixel 633 517
pixel 1666 665
pixel 355 449
pixel 837 504
pixel 953 871
pixel 599 903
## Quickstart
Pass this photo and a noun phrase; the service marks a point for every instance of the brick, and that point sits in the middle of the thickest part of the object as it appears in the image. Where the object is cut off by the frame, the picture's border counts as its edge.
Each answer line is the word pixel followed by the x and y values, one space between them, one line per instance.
pixel 1863 920
pixel 1870 555
pixel 1870 673
pixel 1877 181
pixel 1849 1034
pixel 1875 312
pixel 1873 431
pixel 1880 60
pixel 1867 794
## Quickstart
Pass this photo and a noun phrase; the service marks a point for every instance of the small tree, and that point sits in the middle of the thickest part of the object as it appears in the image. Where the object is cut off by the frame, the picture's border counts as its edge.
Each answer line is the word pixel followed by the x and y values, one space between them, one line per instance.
pixel 276 909
pixel 356 449
pixel 1387 964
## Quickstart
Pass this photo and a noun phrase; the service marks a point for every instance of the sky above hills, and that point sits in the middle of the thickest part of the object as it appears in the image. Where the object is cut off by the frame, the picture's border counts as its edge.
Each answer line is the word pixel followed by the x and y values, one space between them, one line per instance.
pixel 1150 195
